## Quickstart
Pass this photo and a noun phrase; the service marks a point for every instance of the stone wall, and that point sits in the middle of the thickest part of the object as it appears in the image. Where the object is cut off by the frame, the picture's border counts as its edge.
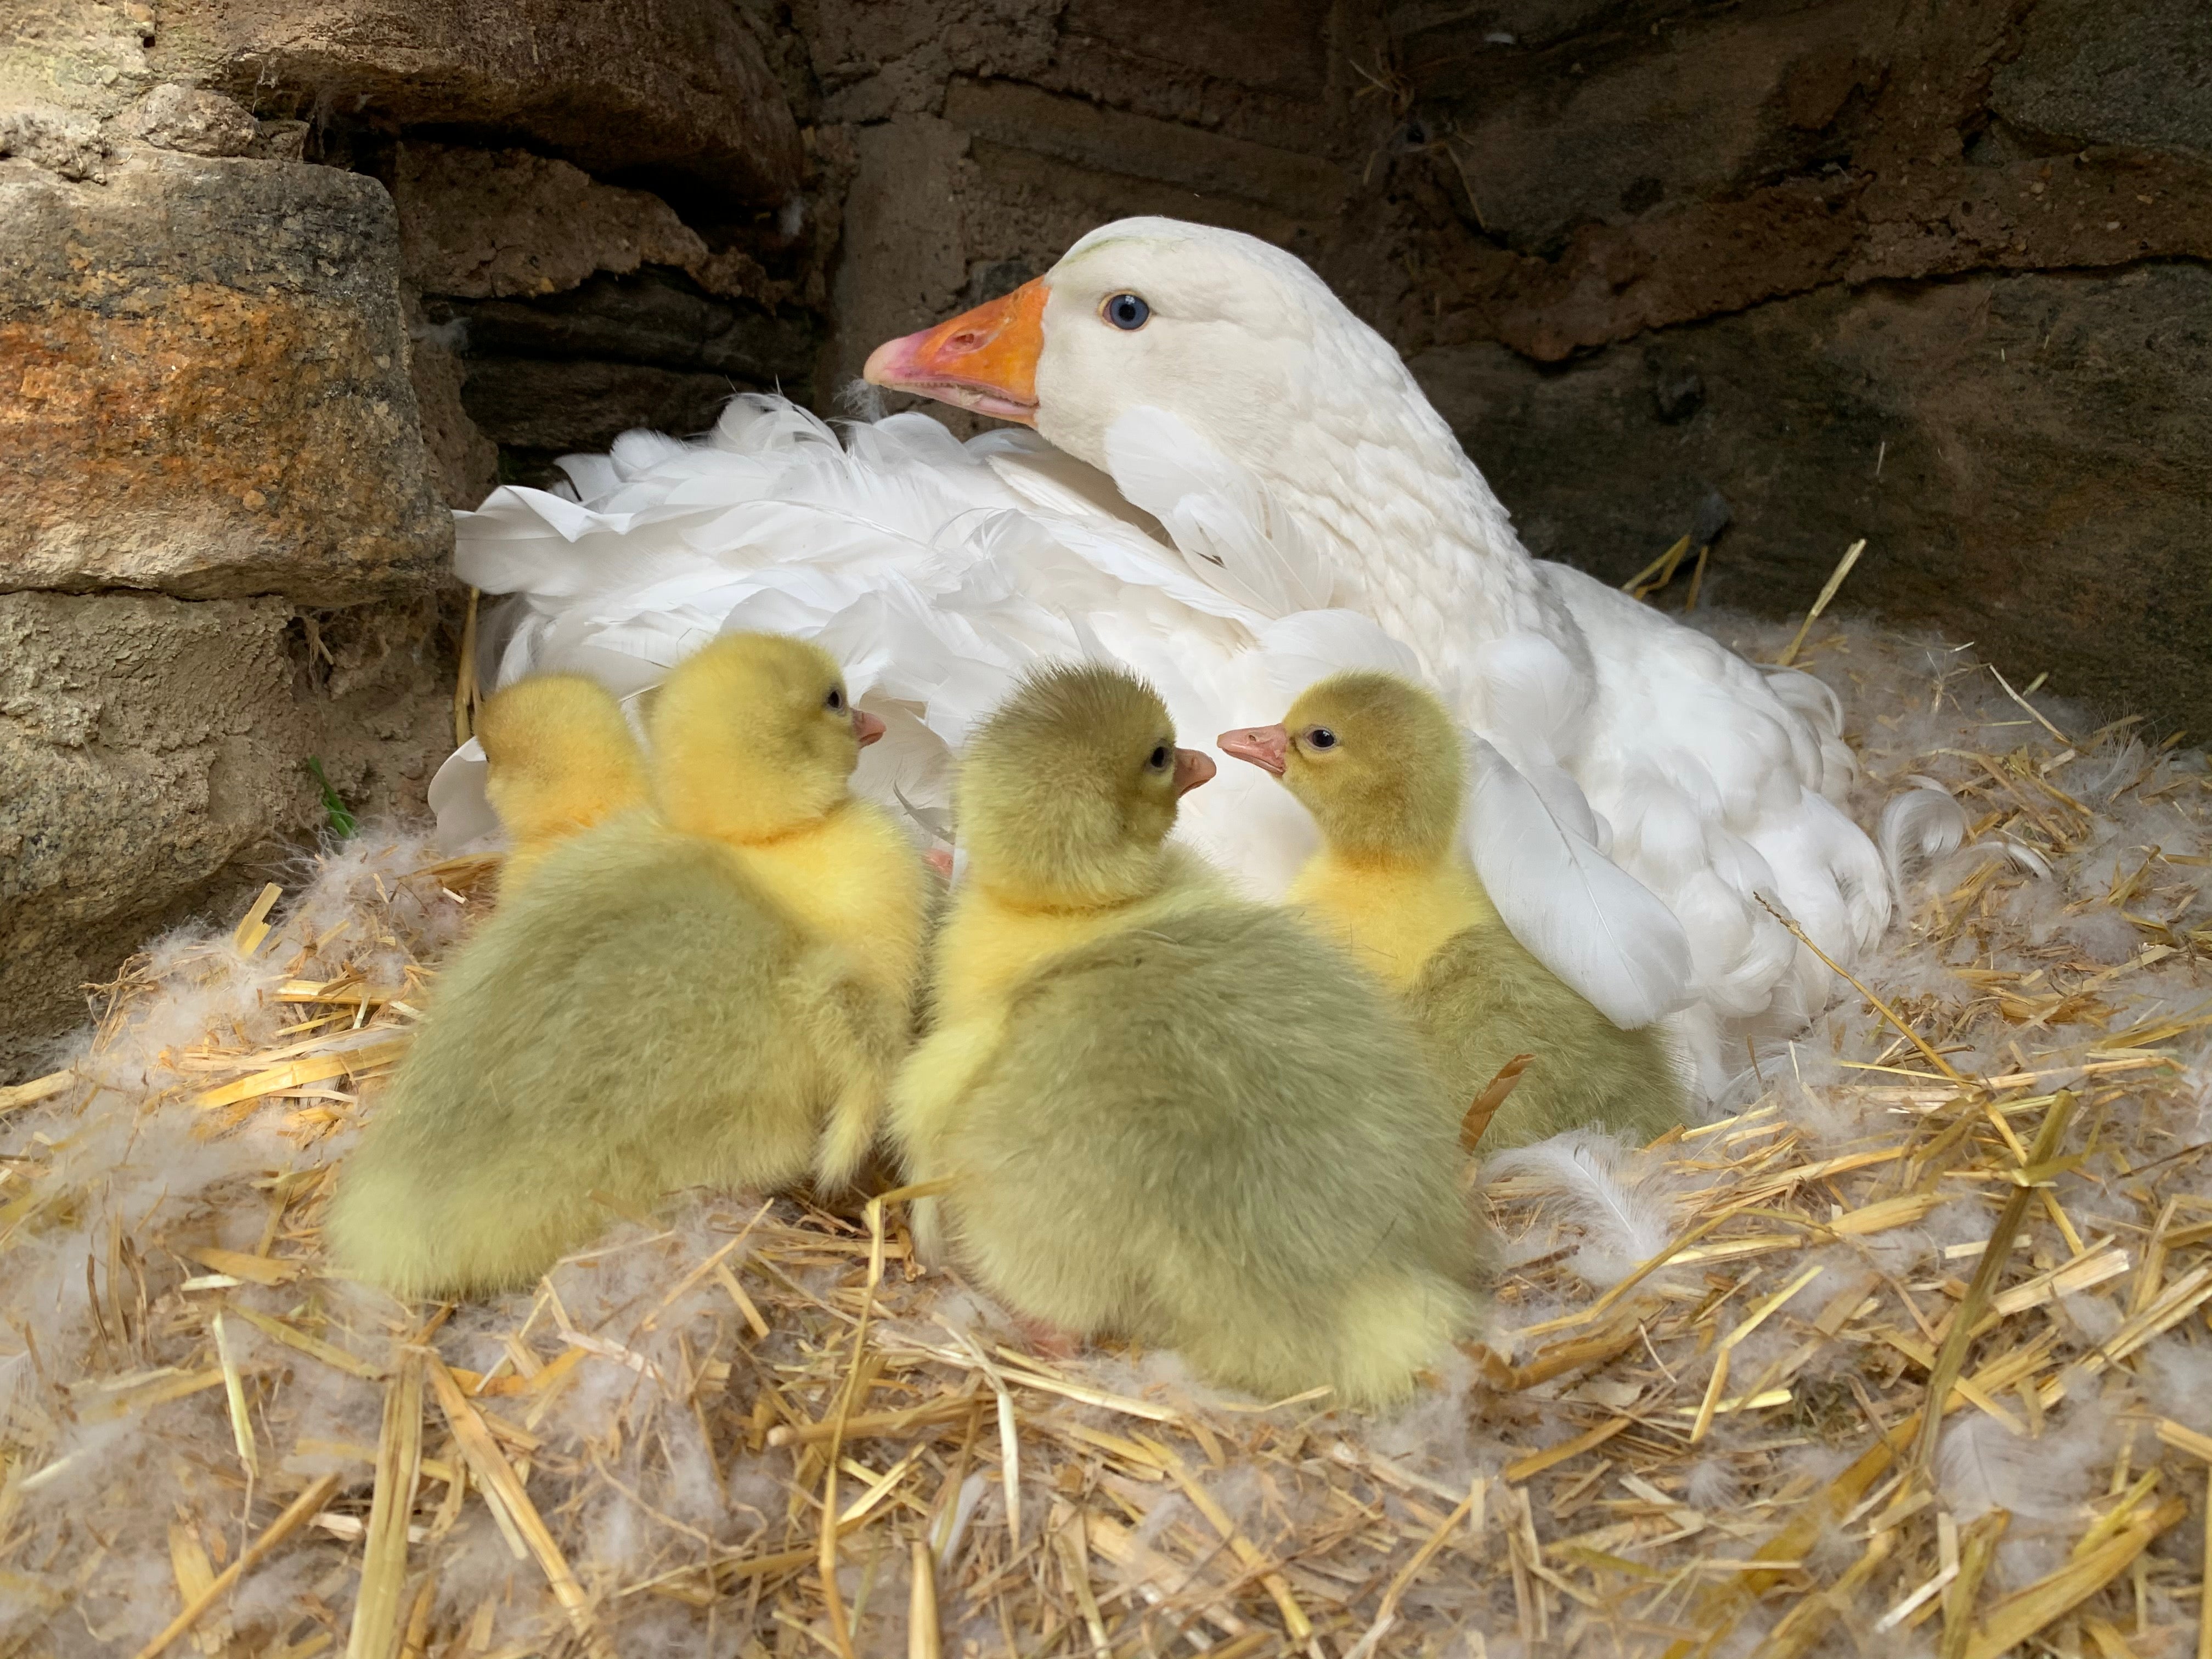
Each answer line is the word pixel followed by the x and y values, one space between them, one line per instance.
pixel 221 555
pixel 280 280
pixel 1927 271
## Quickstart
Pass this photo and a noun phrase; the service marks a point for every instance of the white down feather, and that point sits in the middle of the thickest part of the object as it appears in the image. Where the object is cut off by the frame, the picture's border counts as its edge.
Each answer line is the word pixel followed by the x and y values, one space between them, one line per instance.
pixel 1620 1198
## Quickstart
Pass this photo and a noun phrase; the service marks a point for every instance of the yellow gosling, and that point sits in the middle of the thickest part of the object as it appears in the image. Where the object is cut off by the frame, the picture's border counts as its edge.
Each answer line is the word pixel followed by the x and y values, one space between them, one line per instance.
pixel 1378 762
pixel 558 757
pixel 1168 1113
pixel 659 1006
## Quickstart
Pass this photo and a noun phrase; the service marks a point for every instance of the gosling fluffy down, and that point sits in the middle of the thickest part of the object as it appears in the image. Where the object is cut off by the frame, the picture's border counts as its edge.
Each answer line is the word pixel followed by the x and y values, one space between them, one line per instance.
pixel 559 757
pixel 650 1011
pixel 1378 762
pixel 1170 1115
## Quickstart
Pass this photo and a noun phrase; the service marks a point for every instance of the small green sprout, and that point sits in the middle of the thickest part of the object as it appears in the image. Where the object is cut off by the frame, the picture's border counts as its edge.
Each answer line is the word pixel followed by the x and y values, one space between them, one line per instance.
pixel 342 820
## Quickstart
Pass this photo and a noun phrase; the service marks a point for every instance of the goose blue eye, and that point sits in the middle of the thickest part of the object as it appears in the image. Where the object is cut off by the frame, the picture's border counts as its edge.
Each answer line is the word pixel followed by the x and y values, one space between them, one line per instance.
pixel 1127 311
pixel 1158 760
pixel 835 702
pixel 1321 737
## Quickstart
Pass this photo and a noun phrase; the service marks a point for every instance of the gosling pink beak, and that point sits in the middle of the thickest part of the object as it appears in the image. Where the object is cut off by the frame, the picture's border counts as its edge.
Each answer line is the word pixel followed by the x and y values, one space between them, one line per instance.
pixel 985 360
pixel 1191 769
pixel 1268 747
pixel 866 727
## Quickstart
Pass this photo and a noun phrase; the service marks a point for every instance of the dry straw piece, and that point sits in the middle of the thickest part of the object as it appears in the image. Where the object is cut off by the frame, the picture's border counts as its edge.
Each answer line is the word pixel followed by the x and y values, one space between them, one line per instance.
pixel 1707 1419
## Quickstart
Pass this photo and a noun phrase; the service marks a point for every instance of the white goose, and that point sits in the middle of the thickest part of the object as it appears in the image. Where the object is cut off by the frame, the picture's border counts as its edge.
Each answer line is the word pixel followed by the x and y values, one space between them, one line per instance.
pixel 1238 488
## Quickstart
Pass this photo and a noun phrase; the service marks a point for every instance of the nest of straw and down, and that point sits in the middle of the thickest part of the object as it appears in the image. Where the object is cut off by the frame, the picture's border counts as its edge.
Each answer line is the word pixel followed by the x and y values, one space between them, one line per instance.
pixel 1906 1350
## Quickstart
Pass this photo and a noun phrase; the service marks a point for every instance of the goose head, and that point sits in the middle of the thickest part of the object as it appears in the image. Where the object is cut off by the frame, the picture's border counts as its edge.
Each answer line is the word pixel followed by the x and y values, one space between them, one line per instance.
pixel 1069 788
pixel 1237 339
pixel 754 737
pixel 1376 759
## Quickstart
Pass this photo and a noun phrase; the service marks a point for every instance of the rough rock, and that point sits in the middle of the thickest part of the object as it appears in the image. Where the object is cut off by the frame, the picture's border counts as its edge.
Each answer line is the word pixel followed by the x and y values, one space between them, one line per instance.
pixel 1266 71
pixel 654 317
pixel 1279 46
pixel 251 428
pixel 67 55
pixel 195 121
pixel 1746 99
pixel 1470 37
pixel 1627 175
pixel 2111 72
pixel 378 682
pixel 905 260
pixel 2024 454
pixel 58 141
pixel 674 88
pixel 551 374
pixel 464 463
pixel 874 62
pixel 1273 72
pixel 477 223
pixel 153 763
pixel 549 408
pixel 281 141
pixel 517 256
pixel 1110 141
pixel 1775 245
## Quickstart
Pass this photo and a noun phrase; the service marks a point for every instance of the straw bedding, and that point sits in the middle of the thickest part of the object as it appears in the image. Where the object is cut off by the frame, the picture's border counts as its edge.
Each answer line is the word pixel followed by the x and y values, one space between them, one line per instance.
pixel 753 1427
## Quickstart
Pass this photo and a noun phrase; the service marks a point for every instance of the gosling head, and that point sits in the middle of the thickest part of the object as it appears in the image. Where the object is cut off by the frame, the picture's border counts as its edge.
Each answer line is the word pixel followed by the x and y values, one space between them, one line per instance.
pixel 1068 790
pixel 1375 758
pixel 754 737
pixel 559 755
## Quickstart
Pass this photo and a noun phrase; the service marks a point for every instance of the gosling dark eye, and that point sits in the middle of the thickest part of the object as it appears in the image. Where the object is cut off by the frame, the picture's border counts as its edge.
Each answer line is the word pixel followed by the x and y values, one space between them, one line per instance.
pixel 1159 758
pixel 1321 737
pixel 1127 311
pixel 835 702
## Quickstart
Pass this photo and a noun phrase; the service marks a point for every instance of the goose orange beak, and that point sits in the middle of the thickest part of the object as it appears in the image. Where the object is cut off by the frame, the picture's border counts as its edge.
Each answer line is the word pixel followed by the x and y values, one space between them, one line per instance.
pixel 1191 769
pixel 985 360
pixel 1268 747
pixel 867 727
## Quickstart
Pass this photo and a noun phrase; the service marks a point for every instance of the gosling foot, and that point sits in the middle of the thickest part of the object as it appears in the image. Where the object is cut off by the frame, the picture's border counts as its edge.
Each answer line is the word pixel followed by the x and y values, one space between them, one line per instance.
pixel 1047 1340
